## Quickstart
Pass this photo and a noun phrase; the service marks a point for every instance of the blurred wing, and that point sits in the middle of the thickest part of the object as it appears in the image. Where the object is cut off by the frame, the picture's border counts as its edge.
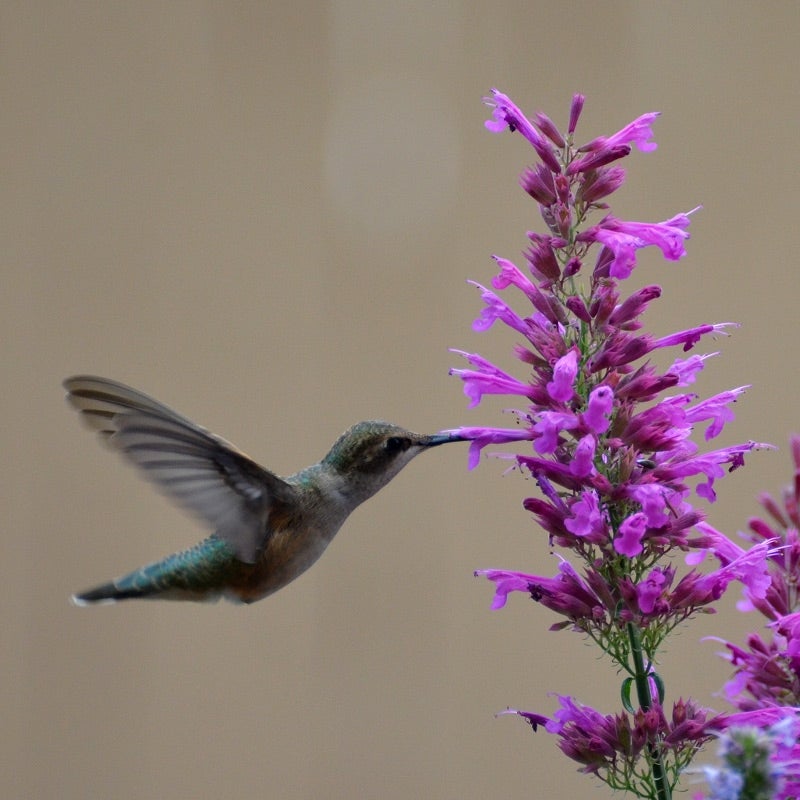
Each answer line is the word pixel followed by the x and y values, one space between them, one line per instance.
pixel 205 474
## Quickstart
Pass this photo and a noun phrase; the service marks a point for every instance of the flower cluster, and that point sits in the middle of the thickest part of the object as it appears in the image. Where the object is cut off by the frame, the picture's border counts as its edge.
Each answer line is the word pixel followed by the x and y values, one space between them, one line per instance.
pixel 767 672
pixel 610 450
pixel 612 746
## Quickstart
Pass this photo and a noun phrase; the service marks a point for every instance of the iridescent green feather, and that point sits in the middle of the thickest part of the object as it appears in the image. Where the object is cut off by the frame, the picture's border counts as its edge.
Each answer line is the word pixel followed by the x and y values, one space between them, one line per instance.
pixel 203 570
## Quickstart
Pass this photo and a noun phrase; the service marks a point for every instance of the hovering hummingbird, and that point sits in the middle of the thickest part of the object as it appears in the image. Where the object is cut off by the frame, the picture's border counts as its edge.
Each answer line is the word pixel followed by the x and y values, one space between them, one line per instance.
pixel 267 530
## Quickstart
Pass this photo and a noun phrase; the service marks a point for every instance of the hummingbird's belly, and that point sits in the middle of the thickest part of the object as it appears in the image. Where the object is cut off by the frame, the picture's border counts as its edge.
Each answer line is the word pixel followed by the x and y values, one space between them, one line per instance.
pixel 286 557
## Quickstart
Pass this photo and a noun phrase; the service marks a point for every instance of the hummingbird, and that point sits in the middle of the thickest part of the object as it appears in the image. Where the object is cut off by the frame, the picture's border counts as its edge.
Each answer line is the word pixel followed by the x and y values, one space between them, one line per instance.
pixel 267 530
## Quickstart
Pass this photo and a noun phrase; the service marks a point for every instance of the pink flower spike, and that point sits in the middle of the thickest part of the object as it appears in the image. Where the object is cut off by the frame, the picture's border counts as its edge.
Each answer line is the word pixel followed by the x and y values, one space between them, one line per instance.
pixel 614 459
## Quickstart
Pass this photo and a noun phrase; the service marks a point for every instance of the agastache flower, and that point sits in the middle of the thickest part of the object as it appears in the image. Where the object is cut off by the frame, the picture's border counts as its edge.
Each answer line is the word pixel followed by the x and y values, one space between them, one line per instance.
pixel 638 132
pixel 565 369
pixel 615 458
pixel 611 745
pixel 623 239
pixel 767 668
pixel 506 115
pixel 591 605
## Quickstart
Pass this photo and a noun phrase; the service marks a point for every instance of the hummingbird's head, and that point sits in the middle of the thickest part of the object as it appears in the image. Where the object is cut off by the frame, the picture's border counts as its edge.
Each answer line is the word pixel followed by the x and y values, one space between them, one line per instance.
pixel 370 454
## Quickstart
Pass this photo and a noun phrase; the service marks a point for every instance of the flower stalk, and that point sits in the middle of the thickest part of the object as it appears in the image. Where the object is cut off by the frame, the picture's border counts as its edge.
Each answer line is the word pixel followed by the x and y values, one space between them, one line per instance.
pixel 641 677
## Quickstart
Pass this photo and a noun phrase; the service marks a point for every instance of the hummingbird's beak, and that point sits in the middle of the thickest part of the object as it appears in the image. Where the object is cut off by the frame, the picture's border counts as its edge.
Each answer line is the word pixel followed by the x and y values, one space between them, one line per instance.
pixel 442 438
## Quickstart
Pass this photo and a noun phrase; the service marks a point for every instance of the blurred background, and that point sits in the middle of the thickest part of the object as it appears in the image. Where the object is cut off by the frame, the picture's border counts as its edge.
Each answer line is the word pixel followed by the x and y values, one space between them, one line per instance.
pixel 265 214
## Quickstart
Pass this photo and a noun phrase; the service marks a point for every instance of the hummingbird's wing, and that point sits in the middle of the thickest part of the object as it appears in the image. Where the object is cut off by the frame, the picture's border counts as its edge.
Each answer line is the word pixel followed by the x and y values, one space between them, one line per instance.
pixel 240 500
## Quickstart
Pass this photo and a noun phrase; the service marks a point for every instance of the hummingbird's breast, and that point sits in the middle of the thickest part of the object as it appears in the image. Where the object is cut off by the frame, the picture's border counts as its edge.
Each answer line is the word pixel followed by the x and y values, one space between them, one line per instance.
pixel 294 543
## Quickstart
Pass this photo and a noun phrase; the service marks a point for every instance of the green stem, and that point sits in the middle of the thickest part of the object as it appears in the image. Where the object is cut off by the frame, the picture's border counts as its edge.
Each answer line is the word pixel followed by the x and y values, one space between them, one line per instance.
pixel 663 791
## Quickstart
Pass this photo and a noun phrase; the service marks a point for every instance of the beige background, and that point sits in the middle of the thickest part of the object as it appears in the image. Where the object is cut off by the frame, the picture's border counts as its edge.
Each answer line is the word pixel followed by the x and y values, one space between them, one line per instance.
pixel 264 214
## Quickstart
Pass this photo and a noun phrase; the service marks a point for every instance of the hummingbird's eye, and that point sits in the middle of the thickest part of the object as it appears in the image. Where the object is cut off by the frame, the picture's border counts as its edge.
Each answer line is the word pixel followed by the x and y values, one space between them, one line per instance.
pixel 396 444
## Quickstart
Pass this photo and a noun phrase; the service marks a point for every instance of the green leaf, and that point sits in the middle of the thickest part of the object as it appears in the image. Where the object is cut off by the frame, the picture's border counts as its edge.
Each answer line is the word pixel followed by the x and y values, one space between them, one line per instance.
pixel 625 694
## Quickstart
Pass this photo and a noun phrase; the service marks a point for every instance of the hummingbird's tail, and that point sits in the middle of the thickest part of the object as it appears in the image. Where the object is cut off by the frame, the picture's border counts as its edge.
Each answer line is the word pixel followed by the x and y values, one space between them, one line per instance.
pixel 199 574
pixel 110 593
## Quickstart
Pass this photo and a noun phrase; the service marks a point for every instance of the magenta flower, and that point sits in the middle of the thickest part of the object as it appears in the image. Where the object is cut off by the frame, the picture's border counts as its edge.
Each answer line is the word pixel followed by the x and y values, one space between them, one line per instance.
pixel 650 590
pixel 565 369
pixel 631 532
pixel 767 668
pixel 587 519
pixel 750 569
pixel 638 132
pixel 567 593
pixel 507 115
pixel 610 440
pixel 487 379
pixel 623 239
